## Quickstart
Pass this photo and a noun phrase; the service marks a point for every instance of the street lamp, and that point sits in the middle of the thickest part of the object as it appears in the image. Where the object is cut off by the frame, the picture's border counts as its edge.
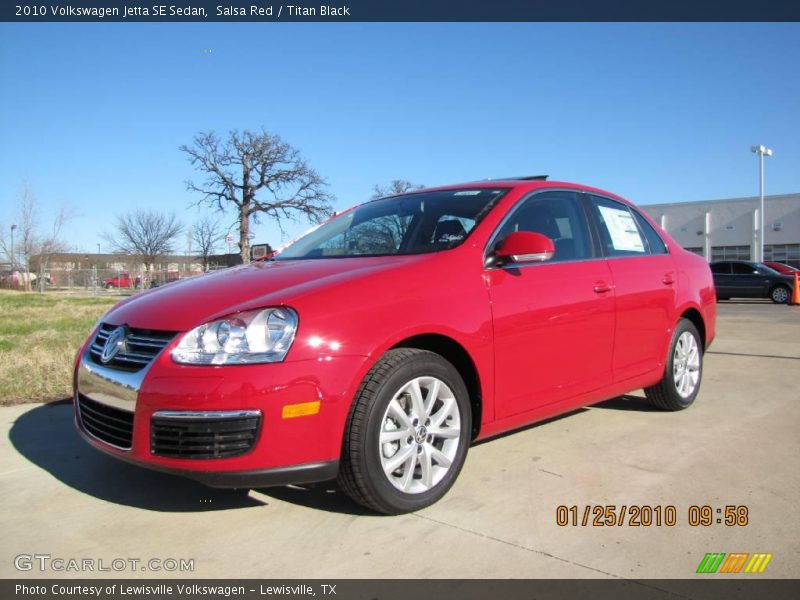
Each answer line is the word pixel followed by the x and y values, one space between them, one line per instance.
pixel 762 151
pixel 13 227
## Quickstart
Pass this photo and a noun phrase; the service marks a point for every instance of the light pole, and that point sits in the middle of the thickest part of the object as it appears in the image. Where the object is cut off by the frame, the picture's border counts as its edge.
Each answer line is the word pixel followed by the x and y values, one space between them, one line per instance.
pixel 13 227
pixel 762 151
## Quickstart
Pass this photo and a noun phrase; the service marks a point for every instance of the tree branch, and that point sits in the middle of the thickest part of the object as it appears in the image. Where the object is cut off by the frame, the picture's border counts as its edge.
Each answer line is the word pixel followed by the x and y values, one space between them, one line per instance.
pixel 257 173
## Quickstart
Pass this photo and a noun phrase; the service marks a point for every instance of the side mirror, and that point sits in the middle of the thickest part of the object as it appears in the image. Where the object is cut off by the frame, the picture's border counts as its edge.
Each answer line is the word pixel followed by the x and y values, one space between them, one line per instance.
pixel 525 246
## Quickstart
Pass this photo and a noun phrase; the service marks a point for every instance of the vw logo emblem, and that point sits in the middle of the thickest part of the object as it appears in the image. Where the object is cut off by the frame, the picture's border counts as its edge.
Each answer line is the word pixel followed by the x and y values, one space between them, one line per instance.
pixel 114 343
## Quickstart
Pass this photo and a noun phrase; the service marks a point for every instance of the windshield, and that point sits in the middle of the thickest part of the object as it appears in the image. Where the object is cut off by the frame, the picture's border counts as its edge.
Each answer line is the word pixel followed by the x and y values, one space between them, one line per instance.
pixel 409 224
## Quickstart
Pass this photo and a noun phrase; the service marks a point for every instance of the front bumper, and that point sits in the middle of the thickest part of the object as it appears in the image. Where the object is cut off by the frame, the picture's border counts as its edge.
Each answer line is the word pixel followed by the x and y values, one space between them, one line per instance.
pixel 296 450
pixel 277 476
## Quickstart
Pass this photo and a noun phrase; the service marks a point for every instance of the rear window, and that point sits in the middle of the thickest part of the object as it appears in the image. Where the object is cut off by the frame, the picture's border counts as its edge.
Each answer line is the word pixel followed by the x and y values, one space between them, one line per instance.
pixel 654 241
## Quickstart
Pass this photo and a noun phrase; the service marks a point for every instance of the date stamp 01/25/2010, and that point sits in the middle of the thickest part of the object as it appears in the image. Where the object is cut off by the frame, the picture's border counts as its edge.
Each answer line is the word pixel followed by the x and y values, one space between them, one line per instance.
pixel 650 515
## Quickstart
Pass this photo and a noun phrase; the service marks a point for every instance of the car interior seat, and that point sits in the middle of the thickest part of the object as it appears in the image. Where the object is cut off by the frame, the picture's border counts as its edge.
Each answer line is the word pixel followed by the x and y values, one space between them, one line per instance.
pixel 449 230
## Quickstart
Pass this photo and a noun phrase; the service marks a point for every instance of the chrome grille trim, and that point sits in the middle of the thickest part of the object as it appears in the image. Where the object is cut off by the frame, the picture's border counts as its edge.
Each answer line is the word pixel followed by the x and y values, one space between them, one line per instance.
pixel 117 385
pixel 140 347
pixel 113 387
pixel 206 414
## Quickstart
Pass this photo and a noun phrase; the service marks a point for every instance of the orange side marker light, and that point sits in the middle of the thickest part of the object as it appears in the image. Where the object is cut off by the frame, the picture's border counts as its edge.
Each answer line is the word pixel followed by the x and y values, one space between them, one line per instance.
pixel 303 409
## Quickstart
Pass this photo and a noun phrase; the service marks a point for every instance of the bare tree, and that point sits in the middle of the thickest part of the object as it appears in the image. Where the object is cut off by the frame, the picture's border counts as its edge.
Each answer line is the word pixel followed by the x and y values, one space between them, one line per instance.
pixel 397 186
pixel 30 243
pixel 26 240
pixel 206 234
pixel 258 174
pixel 147 234
pixel 49 244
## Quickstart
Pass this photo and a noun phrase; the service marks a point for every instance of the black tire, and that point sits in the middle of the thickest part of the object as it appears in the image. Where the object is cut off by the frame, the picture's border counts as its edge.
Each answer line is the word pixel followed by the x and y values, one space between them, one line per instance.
pixel 109 286
pixel 361 475
pixel 665 394
pixel 780 294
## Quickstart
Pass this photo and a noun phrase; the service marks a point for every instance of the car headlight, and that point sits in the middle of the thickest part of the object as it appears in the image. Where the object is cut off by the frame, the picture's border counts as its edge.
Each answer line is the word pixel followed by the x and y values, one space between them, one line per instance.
pixel 257 336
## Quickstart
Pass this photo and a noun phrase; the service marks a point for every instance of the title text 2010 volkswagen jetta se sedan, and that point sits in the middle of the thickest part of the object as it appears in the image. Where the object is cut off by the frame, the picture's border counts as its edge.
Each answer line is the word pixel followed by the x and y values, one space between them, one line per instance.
pixel 378 346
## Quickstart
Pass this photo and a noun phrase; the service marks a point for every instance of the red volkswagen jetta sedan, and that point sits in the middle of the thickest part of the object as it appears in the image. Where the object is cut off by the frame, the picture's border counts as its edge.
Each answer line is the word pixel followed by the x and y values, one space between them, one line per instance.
pixel 377 347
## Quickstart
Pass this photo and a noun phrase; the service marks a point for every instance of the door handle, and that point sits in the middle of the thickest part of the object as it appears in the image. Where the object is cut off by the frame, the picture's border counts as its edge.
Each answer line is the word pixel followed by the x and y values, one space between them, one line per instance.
pixel 601 287
pixel 668 279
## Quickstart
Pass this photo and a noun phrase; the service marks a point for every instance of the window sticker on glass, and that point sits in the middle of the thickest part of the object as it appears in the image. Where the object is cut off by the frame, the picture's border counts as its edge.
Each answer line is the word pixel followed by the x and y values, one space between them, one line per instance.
pixel 622 229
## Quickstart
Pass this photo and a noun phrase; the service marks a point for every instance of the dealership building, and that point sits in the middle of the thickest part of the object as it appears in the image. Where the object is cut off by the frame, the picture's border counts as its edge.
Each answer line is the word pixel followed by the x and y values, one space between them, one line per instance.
pixel 729 229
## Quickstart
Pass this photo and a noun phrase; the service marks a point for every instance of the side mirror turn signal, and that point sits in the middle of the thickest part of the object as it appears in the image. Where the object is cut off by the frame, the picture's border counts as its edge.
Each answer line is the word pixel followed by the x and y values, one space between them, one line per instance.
pixel 524 247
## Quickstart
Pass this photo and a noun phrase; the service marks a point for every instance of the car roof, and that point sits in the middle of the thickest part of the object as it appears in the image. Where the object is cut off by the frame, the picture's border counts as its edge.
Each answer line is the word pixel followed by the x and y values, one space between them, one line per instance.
pixel 524 184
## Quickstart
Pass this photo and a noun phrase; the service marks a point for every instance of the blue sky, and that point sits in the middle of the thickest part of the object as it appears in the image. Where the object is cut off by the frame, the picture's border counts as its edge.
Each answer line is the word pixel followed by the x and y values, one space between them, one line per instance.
pixel 92 114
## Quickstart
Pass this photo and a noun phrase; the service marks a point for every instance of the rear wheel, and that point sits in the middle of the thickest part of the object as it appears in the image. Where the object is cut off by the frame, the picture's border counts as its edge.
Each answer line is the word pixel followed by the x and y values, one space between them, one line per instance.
pixel 780 294
pixel 683 372
pixel 407 434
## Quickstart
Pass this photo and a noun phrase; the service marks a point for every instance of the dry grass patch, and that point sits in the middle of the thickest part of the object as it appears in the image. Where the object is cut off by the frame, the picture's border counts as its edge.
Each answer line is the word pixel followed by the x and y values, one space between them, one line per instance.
pixel 39 336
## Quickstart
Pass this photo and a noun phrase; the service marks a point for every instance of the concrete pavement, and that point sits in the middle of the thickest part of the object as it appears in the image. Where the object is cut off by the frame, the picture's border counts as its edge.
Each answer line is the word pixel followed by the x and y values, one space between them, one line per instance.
pixel 738 445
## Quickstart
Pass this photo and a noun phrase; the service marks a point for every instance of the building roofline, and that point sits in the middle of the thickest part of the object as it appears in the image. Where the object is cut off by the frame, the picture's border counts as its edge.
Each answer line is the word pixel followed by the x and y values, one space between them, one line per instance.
pixel 720 200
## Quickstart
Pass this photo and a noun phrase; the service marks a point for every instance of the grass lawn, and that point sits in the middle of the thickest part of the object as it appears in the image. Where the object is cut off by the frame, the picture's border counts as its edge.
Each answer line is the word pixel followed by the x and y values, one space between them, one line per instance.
pixel 39 336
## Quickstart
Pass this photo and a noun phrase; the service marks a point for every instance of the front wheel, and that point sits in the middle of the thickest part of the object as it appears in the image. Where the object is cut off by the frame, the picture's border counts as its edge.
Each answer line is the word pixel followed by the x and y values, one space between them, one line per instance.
pixel 407 434
pixel 683 372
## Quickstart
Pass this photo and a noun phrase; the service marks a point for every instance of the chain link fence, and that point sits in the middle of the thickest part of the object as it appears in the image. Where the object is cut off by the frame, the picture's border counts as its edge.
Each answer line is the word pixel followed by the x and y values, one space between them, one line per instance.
pixel 95 281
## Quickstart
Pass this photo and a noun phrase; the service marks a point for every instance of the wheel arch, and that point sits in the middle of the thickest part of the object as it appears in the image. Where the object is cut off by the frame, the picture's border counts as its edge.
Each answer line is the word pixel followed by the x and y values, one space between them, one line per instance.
pixel 460 358
pixel 696 318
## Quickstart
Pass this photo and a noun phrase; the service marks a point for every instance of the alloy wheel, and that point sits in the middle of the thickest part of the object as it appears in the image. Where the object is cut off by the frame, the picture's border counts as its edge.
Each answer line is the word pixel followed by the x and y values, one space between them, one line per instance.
pixel 780 295
pixel 420 434
pixel 686 364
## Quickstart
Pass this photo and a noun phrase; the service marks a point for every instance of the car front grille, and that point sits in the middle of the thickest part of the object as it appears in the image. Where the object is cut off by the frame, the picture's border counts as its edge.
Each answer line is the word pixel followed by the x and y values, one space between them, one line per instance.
pixel 139 349
pixel 205 435
pixel 108 424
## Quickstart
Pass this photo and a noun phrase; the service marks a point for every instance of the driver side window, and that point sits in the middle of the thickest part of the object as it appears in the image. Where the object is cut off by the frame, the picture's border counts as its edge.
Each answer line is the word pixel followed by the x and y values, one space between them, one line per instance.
pixel 743 269
pixel 557 215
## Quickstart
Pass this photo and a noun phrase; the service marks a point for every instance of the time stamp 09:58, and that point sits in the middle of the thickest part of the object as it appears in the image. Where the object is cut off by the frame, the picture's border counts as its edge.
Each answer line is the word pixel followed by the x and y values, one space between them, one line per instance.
pixel 646 515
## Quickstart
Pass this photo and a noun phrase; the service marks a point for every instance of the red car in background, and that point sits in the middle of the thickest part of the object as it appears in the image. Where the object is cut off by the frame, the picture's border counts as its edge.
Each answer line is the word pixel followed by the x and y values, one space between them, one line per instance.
pixel 782 268
pixel 377 347
pixel 124 280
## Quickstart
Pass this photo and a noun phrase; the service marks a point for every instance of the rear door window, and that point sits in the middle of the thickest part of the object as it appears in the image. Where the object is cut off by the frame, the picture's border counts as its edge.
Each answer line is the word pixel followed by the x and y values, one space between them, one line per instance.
pixel 619 233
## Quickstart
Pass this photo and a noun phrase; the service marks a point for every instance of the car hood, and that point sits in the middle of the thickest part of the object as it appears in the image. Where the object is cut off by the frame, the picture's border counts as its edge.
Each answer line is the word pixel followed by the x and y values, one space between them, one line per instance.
pixel 185 304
